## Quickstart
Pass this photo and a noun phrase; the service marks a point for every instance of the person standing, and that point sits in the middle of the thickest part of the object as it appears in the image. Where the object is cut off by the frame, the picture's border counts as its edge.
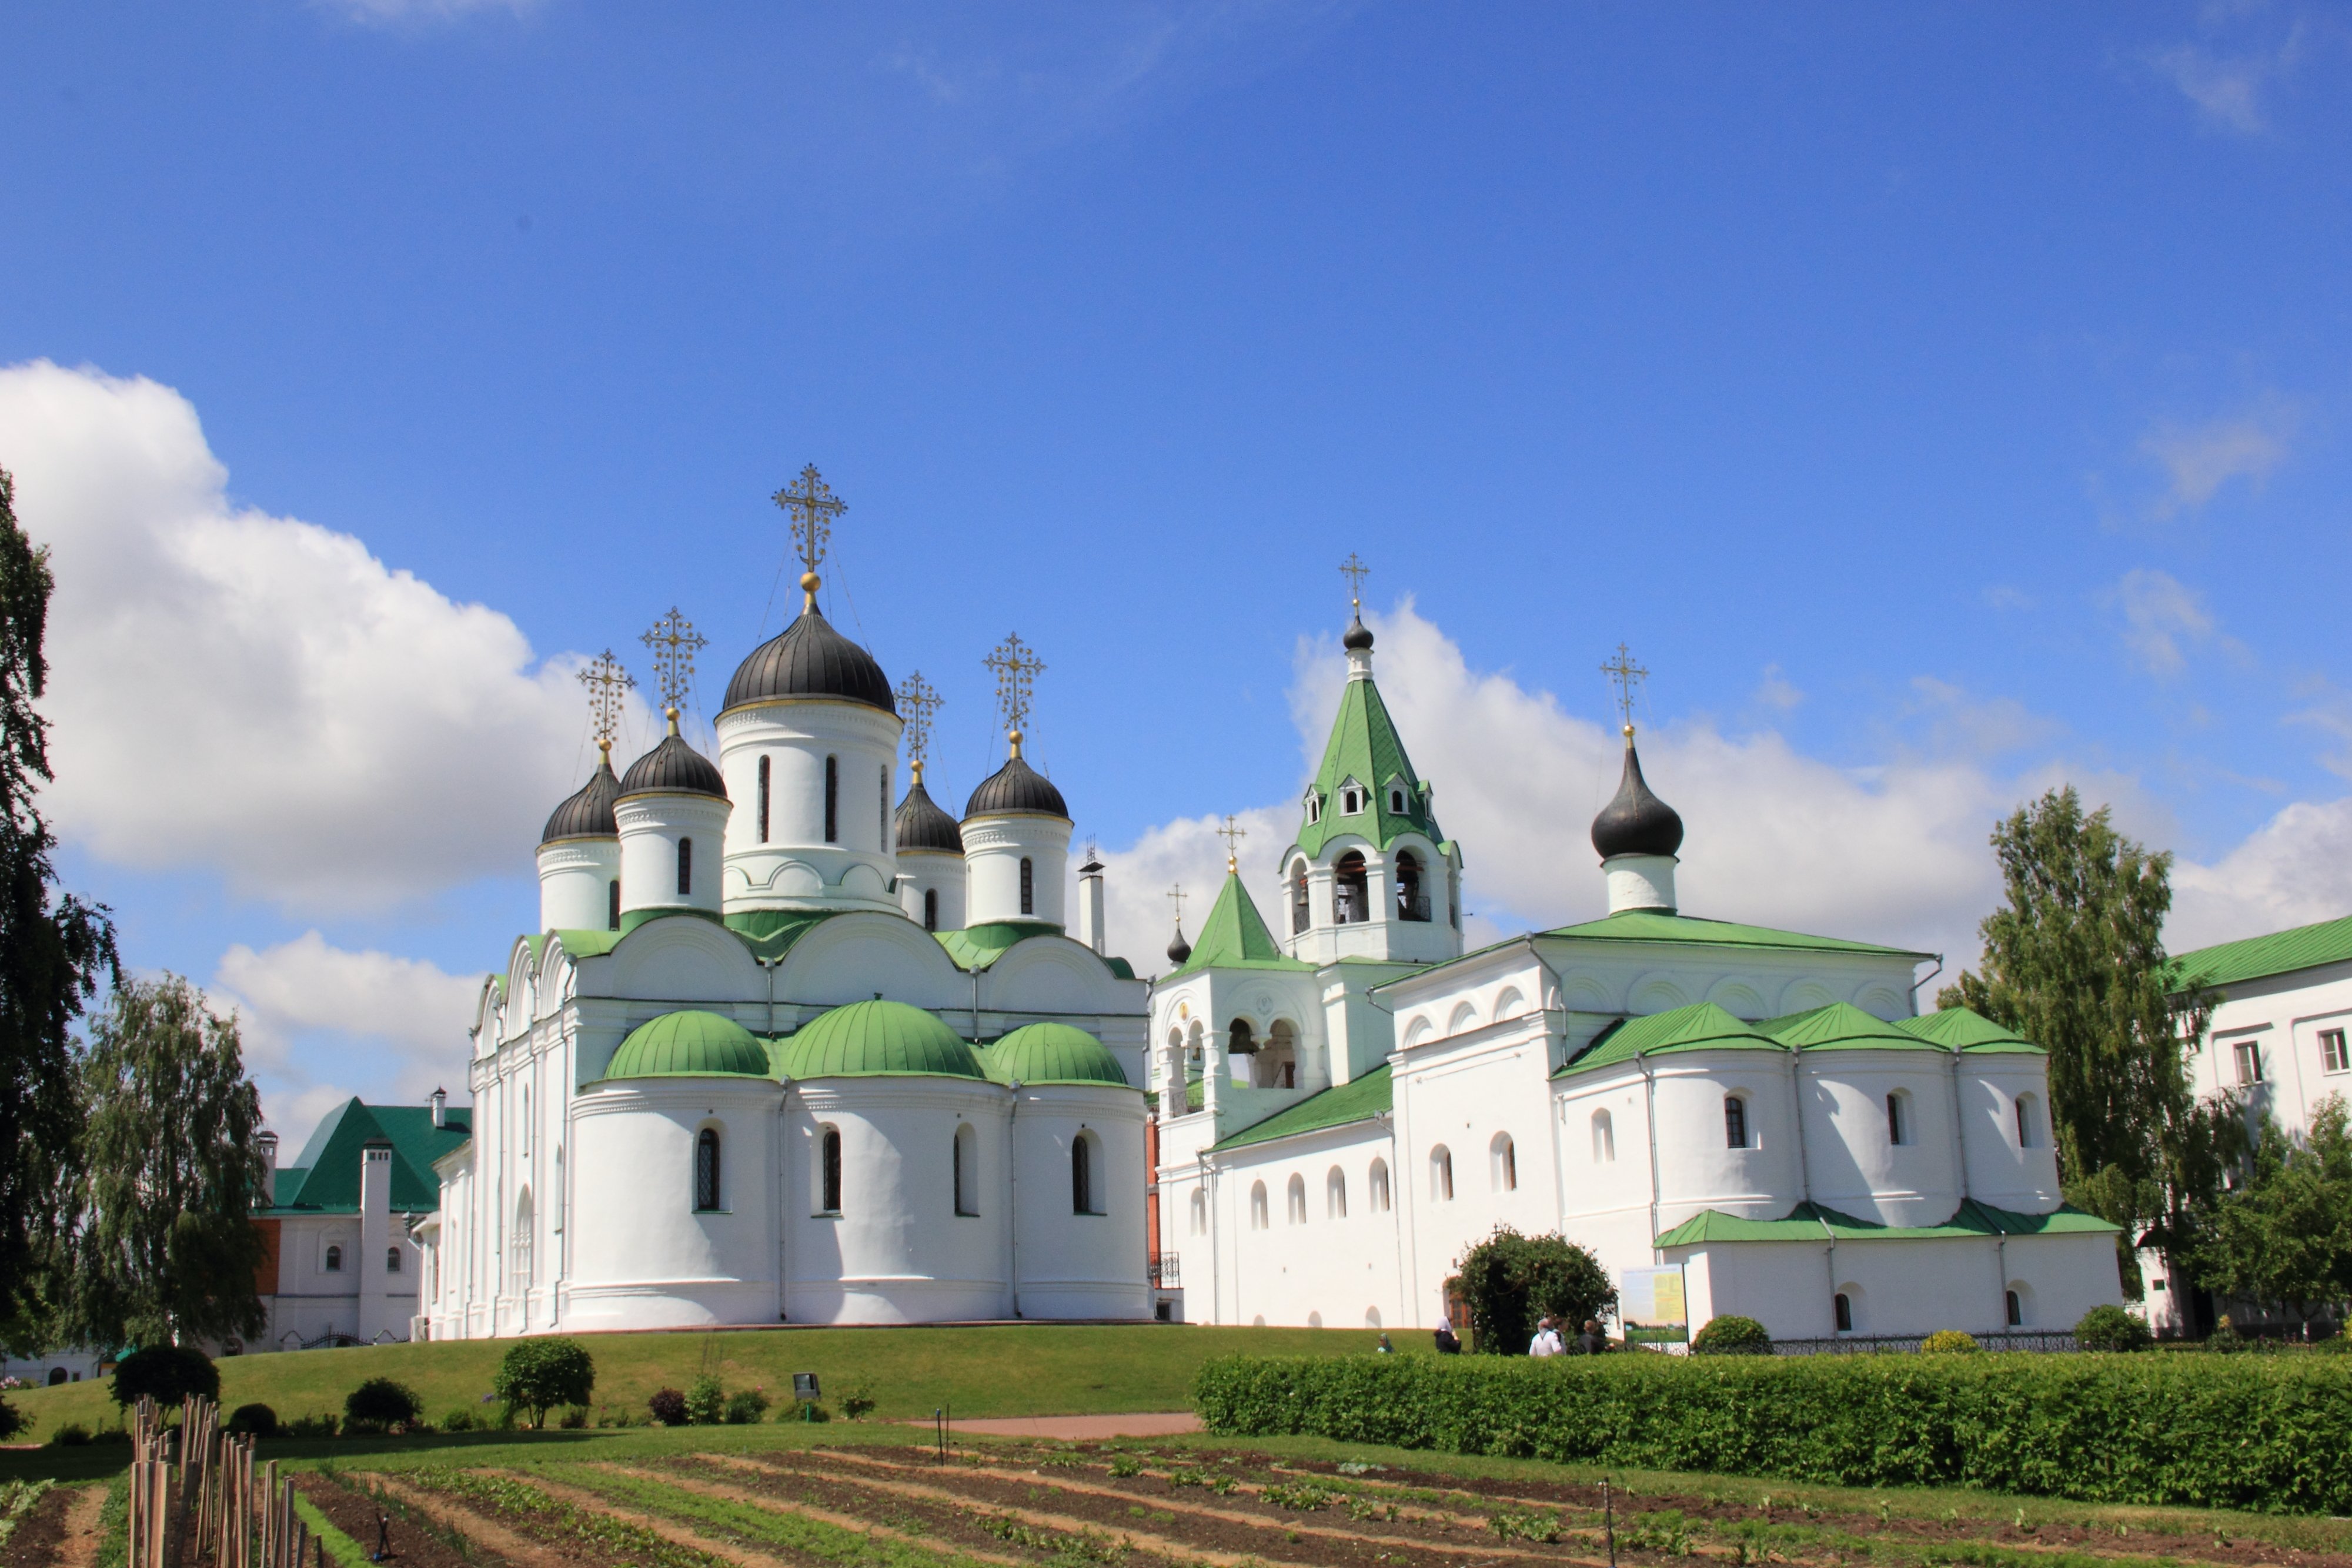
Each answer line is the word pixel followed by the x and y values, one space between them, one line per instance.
pixel 1547 1341
pixel 1446 1343
pixel 1590 1341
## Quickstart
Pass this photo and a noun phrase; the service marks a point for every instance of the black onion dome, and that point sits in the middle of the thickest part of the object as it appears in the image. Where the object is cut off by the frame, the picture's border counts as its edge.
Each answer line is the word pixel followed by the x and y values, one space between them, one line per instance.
pixel 1636 823
pixel 587 813
pixel 810 659
pixel 1178 949
pixel 673 768
pixel 1358 637
pixel 920 824
pixel 1015 786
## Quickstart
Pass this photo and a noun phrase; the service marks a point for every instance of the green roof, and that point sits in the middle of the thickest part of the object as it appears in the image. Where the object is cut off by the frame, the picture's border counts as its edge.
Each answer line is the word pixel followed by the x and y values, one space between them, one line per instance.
pixel 1234 936
pixel 768 933
pixel 1052 1053
pixel 1364 746
pixel 1359 1100
pixel 1813 1222
pixel 2258 957
pixel 1702 1026
pixel 1660 925
pixel 325 1178
pixel 978 946
pixel 876 1039
pixel 689 1044
pixel 1841 1025
pixel 1959 1029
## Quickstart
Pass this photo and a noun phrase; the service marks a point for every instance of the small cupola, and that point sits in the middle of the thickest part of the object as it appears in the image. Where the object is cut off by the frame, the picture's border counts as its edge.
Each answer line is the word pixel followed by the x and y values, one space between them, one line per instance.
pixel 673 767
pixel 920 824
pixel 587 812
pixel 1637 835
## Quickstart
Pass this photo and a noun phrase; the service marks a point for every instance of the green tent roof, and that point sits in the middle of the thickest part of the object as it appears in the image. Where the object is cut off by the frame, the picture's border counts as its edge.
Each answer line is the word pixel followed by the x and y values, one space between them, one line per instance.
pixel 1359 1100
pixel 1841 1025
pixel 1702 1026
pixel 325 1178
pixel 1813 1222
pixel 1660 925
pixel 1364 746
pixel 869 1040
pixel 1959 1029
pixel 2258 957
pixel 1052 1053
pixel 691 1043
pixel 1234 936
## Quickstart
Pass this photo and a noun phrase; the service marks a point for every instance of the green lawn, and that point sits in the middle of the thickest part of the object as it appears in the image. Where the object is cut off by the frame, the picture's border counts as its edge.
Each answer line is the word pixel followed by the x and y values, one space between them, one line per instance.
pixel 1022 1370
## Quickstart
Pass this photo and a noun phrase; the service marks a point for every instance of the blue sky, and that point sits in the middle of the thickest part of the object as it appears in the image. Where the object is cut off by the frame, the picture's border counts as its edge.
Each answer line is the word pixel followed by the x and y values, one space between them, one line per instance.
pixel 1946 393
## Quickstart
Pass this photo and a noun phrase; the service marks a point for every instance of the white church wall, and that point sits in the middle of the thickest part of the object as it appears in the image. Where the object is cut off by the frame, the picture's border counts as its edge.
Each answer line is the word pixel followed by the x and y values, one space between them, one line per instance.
pixel 652 826
pixel 994 849
pixel 1698 1167
pixel 2000 1170
pixel 1073 1262
pixel 664 960
pixel 851 957
pixel 2060 1278
pixel 1851 1163
pixel 575 882
pixel 797 862
pixel 925 871
pixel 1306 1264
pixel 2272 1026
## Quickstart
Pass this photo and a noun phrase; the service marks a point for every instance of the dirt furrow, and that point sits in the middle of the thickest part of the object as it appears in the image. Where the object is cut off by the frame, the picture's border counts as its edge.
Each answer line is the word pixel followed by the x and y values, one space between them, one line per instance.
pixel 774 1504
pixel 478 1529
pixel 668 1529
pixel 83 1530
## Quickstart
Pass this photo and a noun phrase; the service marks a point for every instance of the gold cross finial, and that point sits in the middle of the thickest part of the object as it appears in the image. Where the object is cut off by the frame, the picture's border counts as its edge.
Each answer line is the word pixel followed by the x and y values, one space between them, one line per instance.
pixel 916 703
pixel 605 681
pixel 811 506
pixel 673 641
pixel 1355 571
pixel 1016 667
pixel 1233 834
pixel 1629 677
pixel 1176 895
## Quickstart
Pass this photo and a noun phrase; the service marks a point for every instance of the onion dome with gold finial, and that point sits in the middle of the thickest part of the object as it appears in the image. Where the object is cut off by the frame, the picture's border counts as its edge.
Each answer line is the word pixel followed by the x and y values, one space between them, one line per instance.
pixel 587 812
pixel 673 767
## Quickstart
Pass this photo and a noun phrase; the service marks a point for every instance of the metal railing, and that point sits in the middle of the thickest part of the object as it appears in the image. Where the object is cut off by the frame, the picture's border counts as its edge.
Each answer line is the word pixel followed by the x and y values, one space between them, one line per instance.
pixel 1163 1270
pixel 1865 1344
pixel 1412 906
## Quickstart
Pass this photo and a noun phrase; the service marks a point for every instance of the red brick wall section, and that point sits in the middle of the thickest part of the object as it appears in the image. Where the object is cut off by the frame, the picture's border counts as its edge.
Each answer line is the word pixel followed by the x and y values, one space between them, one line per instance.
pixel 265 1276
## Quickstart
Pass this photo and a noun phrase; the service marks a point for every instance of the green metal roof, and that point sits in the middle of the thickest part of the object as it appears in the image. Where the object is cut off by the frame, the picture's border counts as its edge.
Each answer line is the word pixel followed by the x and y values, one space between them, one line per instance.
pixel 691 1043
pixel 1659 925
pixel 878 1039
pixel 325 1178
pixel 1364 746
pixel 978 946
pixel 1813 1222
pixel 1359 1100
pixel 1959 1029
pixel 1052 1053
pixel 768 933
pixel 1841 1025
pixel 1702 1026
pixel 2258 957
pixel 1234 936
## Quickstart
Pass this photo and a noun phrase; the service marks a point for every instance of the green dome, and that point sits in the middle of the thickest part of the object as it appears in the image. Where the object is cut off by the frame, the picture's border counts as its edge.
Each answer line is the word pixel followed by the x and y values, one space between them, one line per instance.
pixel 690 1044
pixel 1053 1054
pixel 865 1040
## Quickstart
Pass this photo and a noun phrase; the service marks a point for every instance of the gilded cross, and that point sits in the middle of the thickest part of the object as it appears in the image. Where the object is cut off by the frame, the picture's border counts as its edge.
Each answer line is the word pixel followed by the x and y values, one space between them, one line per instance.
pixel 1629 677
pixel 916 703
pixel 1233 834
pixel 673 641
pixel 605 681
pixel 811 506
pixel 1176 895
pixel 1355 571
pixel 1016 667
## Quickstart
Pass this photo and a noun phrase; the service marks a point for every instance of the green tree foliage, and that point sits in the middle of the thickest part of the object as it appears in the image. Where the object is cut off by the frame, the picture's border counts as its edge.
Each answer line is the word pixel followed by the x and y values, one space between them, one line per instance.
pixel 1731 1336
pixel 2283 1236
pixel 379 1405
pixel 540 1374
pixel 54 951
pixel 167 1373
pixel 2074 961
pixel 2110 1328
pixel 171 1169
pixel 1511 1280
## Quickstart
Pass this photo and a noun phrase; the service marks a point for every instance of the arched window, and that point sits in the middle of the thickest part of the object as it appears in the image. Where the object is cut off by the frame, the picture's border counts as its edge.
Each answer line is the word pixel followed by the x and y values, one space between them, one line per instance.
pixel 832 800
pixel 1372 1317
pixel 1314 807
pixel 1257 1206
pixel 334 1260
pixel 706 1171
pixel 1240 1040
pixel 1898 1120
pixel 1412 904
pixel 613 905
pixel 2020 1299
pixel 1604 1138
pixel 1396 801
pixel 763 799
pixel 884 830
pixel 1734 1122
pixel 1200 1213
pixel 1028 886
pixel 1298 899
pixel 391 1261
pixel 930 909
pixel 1085 1198
pixel 1335 1194
pixel 829 1172
pixel 1379 1183
pixel 1295 1196
pixel 1350 891
pixel 1845 1310
pixel 2016 1310
pixel 58 1375
pixel 1351 801
pixel 518 1264
pixel 2028 1128
pixel 966 1169
pixel 1440 1174
pixel 526 1118
pixel 1503 1155
pixel 685 867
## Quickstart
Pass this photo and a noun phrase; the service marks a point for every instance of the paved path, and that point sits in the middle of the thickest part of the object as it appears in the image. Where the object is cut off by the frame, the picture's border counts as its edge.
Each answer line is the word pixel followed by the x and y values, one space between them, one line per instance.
pixel 1072 1427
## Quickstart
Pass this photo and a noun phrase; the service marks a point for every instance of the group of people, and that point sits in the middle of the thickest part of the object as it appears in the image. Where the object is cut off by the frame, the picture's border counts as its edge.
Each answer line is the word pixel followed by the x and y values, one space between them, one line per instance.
pixel 1548 1339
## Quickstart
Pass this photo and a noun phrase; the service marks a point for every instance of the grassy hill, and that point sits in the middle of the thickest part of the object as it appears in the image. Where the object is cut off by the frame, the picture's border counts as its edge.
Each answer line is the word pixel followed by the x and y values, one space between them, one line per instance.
pixel 1018 1370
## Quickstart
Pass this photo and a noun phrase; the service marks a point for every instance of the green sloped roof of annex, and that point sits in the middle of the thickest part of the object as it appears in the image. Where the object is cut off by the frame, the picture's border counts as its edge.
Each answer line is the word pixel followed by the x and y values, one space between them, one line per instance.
pixel 1365 747
pixel 689 1043
pixel 1841 1025
pixel 1961 1029
pixel 1234 936
pixel 1664 925
pixel 1358 1099
pixel 325 1178
pixel 769 934
pixel 1052 1053
pixel 2258 957
pixel 873 1039
pixel 1701 1026
pixel 1813 1222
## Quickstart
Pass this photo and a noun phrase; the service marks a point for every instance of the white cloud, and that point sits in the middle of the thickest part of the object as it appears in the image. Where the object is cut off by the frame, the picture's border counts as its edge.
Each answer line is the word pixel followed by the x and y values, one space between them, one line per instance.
pixel 2227 90
pixel 423 10
pixel 2295 869
pixel 260 696
pixel 1776 692
pixel 2160 614
pixel 2199 459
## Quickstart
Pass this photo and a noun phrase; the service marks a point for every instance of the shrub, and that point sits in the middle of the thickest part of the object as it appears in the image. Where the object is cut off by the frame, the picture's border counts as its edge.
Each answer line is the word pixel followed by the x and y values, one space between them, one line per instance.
pixel 72 1435
pixel 1510 1280
pixel 668 1406
pixel 2111 1328
pixel 166 1374
pixel 2242 1432
pixel 858 1400
pixel 706 1401
pixel 746 1408
pixel 574 1419
pixel 379 1405
pixel 254 1420
pixel 12 1420
pixel 1730 1335
pixel 310 1426
pixel 812 1411
pixel 538 1374
pixel 1948 1342
pixel 458 1420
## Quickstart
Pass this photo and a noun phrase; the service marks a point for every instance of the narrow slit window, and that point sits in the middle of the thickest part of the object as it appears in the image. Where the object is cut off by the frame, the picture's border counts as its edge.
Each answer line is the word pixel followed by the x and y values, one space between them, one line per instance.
pixel 832 800
pixel 1028 886
pixel 884 830
pixel 831 1192
pixel 1844 1309
pixel 613 905
pixel 1734 1122
pixel 685 868
pixel 1082 1175
pixel 706 1171
pixel 764 769
pixel 930 909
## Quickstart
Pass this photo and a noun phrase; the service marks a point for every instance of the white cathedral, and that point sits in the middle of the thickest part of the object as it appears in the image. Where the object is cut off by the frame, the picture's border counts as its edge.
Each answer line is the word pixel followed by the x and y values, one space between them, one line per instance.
pixel 789 1047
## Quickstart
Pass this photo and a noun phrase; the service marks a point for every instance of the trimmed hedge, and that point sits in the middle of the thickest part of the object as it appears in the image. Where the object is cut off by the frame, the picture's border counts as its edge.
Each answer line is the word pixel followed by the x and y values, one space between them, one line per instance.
pixel 2262 1433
